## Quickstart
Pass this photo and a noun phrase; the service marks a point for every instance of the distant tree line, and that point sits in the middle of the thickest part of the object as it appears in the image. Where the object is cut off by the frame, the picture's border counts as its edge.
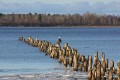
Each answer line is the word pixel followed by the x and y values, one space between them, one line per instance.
pixel 86 19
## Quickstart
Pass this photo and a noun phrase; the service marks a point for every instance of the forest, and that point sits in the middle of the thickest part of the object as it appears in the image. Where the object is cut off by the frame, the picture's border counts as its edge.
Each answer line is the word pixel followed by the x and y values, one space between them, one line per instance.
pixel 86 19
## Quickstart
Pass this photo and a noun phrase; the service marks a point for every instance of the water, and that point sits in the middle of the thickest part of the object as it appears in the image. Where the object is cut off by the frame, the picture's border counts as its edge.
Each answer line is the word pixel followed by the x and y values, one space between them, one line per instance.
pixel 19 58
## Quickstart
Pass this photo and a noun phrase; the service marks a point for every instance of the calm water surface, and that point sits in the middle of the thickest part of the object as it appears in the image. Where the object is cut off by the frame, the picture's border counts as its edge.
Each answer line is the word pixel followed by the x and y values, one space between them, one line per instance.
pixel 19 58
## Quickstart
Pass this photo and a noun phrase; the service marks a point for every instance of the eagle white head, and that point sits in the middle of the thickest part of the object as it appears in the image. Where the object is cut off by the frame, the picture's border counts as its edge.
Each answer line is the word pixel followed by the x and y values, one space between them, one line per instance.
pixel 118 60
pixel 36 39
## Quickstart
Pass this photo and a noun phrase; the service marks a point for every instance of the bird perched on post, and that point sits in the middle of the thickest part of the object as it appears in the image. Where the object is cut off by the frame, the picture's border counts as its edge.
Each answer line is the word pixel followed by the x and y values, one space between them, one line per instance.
pixel 58 42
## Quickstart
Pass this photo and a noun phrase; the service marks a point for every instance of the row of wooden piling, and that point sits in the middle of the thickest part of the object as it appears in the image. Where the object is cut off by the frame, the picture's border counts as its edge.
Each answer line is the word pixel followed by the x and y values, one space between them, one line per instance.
pixel 97 69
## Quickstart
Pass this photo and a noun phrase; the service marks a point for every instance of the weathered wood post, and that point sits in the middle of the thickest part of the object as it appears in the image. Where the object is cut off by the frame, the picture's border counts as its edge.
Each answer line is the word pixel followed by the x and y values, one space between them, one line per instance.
pixel 20 38
pixel 94 74
pixel 85 66
pixel 60 56
pixel 35 44
pixel 106 62
pixel 70 61
pixel 118 70
pixel 111 65
pixel 90 75
pixel 75 62
pixel 110 75
pixel 102 74
pixel 103 63
pixel 95 59
pixel 64 51
pixel 30 41
pixel 82 58
pixel 90 63
pixel 65 62
pixel 80 67
pixel 103 56
pixel 98 70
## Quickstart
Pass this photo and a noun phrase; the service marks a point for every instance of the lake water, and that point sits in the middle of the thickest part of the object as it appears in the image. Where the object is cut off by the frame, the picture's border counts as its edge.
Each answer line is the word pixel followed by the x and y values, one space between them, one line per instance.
pixel 19 58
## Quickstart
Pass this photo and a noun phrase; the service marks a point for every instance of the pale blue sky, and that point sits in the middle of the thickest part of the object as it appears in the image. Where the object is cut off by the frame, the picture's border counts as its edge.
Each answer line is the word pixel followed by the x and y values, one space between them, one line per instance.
pixel 55 1
pixel 61 6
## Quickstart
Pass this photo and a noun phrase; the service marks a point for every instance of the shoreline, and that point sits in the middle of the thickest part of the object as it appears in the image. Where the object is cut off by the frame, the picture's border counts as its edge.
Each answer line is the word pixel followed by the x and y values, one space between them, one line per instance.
pixel 69 75
pixel 59 26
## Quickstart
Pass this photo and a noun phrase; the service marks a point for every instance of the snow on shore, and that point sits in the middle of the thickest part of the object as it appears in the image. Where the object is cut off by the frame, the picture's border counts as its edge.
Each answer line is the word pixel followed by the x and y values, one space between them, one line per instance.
pixel 67 75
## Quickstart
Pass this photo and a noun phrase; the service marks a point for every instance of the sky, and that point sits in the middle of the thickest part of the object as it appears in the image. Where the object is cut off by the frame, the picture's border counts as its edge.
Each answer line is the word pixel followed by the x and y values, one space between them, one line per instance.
pixel 55 1
pixel 60 6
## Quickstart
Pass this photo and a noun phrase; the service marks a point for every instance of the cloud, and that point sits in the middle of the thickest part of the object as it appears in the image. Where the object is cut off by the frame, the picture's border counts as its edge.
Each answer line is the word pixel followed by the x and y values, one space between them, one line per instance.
pixel 78 7
pixel 109 8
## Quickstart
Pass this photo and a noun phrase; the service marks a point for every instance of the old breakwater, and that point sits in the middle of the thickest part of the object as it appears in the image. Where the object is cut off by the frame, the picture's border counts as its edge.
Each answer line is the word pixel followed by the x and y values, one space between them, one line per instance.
pixel 98 69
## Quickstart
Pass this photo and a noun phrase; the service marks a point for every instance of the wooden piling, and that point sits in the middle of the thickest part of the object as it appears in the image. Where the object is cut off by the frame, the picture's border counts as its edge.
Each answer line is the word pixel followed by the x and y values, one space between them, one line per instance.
pixel 70 57
pixel 118 70
pixel 111 65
